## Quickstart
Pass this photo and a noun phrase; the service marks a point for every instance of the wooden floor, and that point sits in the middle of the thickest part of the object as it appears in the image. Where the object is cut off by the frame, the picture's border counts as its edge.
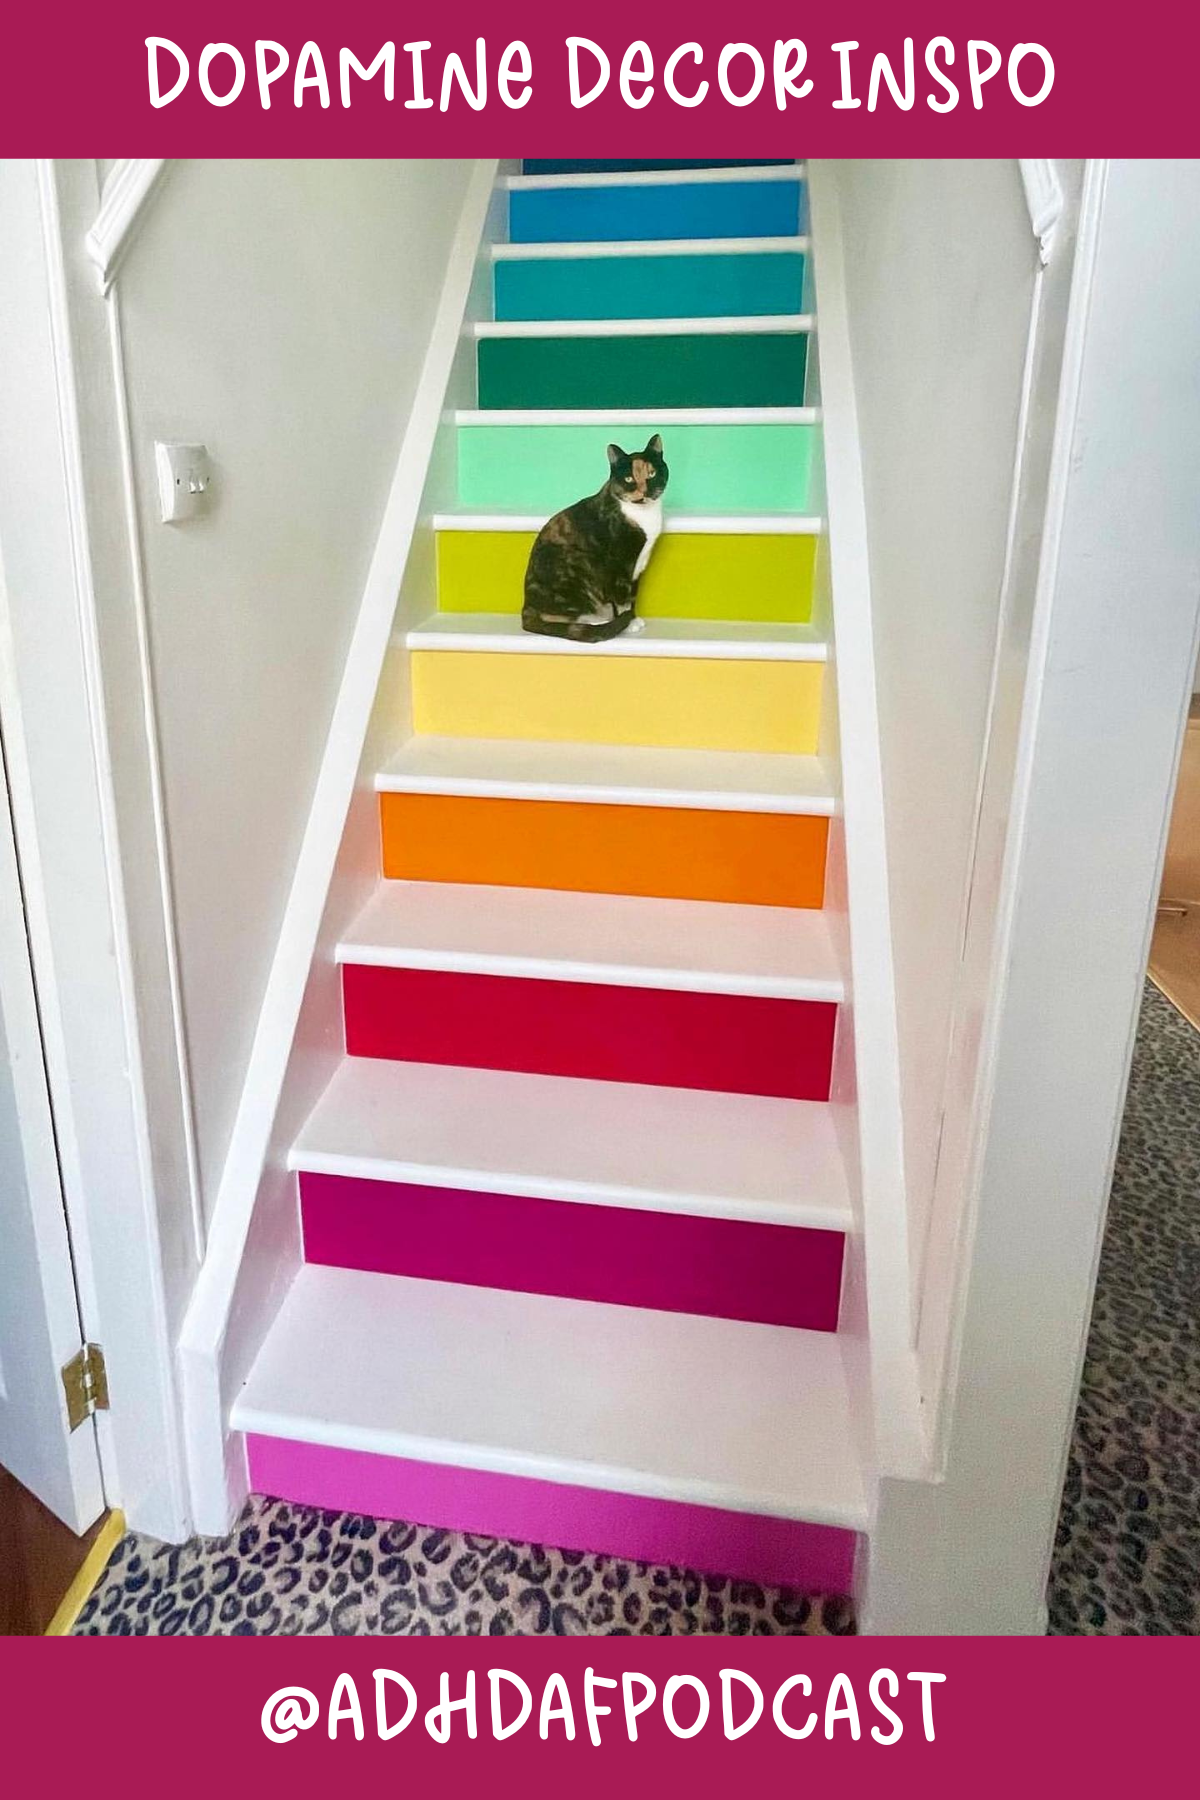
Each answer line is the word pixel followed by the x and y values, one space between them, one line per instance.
pixel 1175 949
pixel 39 1558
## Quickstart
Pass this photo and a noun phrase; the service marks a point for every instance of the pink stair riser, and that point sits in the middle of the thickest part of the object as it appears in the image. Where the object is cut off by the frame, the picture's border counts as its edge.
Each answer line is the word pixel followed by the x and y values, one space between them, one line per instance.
pixel 744 1546
pixel 729 1043
pixel 673 1262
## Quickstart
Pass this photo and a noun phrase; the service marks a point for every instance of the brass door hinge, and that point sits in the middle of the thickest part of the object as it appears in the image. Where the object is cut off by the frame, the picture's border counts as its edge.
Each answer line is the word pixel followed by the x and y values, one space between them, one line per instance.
pixel 86 1383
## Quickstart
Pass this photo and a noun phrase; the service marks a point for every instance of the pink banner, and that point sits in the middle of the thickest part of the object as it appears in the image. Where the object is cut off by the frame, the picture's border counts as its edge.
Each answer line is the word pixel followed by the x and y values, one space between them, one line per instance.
pixel 711 1716
pixel 230 78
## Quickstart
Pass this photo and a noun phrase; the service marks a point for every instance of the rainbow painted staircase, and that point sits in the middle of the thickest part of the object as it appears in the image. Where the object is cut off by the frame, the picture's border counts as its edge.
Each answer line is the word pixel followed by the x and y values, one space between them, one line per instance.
pixel 573 1209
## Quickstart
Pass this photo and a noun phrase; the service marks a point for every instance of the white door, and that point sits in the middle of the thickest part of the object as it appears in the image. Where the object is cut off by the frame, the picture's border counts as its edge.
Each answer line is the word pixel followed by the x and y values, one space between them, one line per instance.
pixel 39 1313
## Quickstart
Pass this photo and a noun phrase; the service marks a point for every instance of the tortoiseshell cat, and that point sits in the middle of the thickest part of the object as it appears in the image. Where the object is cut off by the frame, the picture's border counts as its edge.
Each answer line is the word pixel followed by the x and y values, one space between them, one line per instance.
pixel 584 568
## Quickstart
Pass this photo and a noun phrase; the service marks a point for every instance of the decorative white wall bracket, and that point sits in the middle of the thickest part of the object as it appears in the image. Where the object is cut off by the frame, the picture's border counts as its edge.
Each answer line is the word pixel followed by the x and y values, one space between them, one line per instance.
pixel 1044 198
pixel 129 186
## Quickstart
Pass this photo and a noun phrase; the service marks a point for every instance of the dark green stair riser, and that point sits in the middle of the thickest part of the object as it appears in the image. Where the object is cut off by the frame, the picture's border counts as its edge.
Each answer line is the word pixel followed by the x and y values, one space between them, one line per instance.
pixel 739 369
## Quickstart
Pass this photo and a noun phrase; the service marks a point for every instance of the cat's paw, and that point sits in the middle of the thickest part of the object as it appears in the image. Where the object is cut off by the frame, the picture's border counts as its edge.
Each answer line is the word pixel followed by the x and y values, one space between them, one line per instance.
pixel 634 626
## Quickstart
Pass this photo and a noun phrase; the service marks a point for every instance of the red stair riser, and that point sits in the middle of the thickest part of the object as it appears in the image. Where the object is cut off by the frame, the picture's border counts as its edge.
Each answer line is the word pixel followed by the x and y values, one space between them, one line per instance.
pixel 727 1043
pixel 722 1268
pixel 815 1559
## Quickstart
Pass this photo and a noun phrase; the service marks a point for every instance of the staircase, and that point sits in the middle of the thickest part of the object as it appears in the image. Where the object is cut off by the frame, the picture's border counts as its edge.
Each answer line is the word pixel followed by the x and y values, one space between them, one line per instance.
pixel 574 1213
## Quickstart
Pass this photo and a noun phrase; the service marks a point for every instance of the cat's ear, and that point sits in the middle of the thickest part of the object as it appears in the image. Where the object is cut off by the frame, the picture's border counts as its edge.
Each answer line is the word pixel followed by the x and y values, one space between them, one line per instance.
pixel 615 453
pixel 654 447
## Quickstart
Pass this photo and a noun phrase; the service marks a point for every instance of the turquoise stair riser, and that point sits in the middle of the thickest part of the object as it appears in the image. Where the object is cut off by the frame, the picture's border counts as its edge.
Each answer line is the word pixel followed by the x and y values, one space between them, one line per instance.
pixel 734 369
pixel 650 287
pixel 714 468
pixel 691 210
pixel 607 165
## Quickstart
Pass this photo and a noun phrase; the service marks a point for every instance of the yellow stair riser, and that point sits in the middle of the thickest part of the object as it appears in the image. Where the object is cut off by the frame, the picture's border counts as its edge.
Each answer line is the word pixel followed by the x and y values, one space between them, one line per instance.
pixel 661 702
pixel 692 575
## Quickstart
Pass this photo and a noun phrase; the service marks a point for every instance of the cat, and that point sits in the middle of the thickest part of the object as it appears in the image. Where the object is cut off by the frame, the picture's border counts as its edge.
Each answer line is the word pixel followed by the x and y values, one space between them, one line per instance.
pixel 582 578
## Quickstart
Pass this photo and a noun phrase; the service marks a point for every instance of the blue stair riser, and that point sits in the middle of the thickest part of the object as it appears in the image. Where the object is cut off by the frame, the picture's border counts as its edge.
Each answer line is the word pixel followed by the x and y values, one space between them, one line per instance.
pixel 689 210
pixel 650 287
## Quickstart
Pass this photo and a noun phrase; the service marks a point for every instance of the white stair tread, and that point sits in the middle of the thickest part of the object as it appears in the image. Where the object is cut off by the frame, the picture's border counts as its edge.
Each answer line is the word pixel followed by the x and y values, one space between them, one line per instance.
pixel 559 252
pixel 615 940
pixel 604 1143
pixel 744 524
pixel 653 177
pixel 698 639
pixel 609 774
pixel 614 416
pixel 667 1405
pixel 760 324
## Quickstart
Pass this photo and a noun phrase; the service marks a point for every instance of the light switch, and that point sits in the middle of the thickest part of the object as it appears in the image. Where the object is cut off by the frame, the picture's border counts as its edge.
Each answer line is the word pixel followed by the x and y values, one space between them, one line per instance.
pixel 183 479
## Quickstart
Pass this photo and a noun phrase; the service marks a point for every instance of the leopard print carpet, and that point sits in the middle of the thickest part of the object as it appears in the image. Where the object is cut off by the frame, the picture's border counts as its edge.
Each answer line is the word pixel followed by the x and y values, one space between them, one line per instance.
pixel 1128 1554
pixel 1127 1561
pixel 295 1571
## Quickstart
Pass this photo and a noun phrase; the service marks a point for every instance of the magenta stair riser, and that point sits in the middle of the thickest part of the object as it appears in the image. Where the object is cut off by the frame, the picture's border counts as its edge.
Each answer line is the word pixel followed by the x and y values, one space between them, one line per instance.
pixel 727 1043
pixel 673 1262
pixel 744 1546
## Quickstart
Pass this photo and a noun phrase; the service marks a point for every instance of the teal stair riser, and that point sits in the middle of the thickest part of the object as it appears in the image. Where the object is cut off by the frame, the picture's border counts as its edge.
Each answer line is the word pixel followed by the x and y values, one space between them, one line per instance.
pixel 650 287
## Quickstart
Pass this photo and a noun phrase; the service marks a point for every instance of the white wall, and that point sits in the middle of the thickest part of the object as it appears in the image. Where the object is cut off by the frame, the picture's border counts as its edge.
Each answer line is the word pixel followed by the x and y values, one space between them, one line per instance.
pixel 940 264
pixel 1081 803
pixel 278 312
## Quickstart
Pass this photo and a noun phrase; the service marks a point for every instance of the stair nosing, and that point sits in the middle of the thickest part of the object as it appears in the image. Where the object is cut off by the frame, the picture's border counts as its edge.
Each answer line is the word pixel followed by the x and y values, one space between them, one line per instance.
pixel 596 248
pixel 446 633
pixel 467 418
pixel 733 325
pixel 628 178
pixel 609 792
pixel 694 524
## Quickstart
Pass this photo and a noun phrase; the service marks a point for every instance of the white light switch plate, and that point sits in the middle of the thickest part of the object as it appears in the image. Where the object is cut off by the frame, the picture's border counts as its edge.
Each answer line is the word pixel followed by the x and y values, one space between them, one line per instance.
pixel 183 478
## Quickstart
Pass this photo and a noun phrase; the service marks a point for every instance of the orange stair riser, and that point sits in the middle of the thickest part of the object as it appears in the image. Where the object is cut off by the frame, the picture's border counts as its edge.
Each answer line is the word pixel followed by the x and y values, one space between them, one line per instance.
pixel 767 859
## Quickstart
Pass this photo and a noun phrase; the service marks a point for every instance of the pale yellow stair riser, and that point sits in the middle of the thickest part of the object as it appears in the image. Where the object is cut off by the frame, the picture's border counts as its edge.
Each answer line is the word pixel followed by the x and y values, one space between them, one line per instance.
pixel 659 702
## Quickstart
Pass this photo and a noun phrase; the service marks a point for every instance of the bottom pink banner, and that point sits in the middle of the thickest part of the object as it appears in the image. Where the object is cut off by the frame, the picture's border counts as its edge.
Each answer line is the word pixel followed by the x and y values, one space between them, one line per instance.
pixel 203 1716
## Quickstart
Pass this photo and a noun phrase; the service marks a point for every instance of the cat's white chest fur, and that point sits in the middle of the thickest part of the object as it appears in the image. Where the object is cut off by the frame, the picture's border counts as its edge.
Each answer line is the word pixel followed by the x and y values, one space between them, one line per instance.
pixel 649 520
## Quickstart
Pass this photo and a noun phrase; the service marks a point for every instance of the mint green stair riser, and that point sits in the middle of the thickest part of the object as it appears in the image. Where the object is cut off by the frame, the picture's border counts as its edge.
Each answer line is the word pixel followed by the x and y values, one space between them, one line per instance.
pixel 714 468
pixel 734 369
pixel 650 287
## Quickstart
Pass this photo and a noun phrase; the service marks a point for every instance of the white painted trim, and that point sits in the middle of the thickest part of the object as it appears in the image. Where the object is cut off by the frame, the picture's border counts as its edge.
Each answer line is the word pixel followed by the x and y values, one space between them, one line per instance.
pixel 763 324
pixel 898 1432
pixel 711 524
pixel 1106 695
pixel 154 762
pixel 746 246
pixel 610 775
pixel 207 1318
pixel 126 192
pixel 501 634
pixel 1044 198
pixel 596 178
pixel 77 902
pixel 640 415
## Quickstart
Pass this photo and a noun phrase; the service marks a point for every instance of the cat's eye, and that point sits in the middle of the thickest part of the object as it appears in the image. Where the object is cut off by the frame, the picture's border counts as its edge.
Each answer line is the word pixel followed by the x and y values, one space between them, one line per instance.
pixel 629 482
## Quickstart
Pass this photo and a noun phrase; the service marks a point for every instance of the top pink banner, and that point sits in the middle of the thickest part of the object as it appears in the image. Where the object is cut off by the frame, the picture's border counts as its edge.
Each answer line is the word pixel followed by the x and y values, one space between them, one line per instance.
pixel 467 78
